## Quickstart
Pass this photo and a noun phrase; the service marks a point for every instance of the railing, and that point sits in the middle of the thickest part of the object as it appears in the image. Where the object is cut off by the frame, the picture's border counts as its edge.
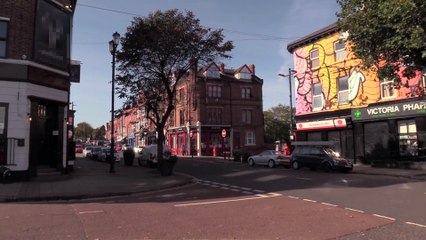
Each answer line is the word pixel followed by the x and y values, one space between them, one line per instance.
pixel 7 151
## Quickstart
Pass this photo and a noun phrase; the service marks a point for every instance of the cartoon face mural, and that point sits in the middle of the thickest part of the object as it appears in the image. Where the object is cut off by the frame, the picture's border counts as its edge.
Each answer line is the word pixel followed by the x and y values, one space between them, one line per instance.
pixel 329 77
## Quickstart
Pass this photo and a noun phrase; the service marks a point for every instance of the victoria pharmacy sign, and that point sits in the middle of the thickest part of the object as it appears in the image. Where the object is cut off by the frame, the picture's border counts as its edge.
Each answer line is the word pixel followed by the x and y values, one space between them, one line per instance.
pixel 390 110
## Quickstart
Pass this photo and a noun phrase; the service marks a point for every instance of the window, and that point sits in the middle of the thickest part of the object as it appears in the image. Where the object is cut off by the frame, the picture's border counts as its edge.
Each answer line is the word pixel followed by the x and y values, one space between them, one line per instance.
pixel 243 75
pixel 387 88
pixel 3 38
pixel 317 97
pixel 214 91
pixel 340 50
pixel 314 58
pixel 182 117
pixel 245 93
pixel 250 138
pixel 214 115
pixel 181 94
pixel 407 133
pixel 424 81
pixel 212 73
pixel 343 90
pixel 246 116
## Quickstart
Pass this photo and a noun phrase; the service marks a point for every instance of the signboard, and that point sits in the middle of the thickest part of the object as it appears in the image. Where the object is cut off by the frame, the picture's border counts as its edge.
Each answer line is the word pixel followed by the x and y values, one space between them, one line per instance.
pixel 324 124
pixel 390 110
pixel 223 133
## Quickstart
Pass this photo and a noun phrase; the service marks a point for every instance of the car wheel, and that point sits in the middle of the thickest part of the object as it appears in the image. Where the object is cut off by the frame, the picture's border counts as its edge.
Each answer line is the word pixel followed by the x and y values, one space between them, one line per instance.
pixel 271 164
pixel 295 165
pixel 326 166
pixel 251 162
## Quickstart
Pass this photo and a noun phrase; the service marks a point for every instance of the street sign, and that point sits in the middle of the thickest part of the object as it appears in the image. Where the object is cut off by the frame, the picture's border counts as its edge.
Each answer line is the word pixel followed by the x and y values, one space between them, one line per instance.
pixel 223 133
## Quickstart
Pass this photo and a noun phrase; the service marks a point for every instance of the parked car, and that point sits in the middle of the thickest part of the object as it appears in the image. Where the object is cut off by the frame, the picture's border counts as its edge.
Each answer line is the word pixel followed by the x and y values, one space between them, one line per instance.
pixel 87 151
pixel 270 158
pixel 79 148
pixel 96 153
pixel 105 155
pixel 148 155
pixel 318 155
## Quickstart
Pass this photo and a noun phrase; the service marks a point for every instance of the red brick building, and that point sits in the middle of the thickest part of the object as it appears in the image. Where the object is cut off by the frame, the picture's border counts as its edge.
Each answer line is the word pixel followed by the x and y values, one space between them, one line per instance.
pixel 215 101
pixel 35 76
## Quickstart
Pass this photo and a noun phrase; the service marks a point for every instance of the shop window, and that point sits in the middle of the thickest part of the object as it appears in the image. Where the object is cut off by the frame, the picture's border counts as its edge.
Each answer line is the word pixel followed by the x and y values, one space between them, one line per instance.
pixel 387 88
pixel 340 50
pixel 343 90
pixel 314 58
pixel 3 37
pixel 407 133
pixel 250 138
pixel 317 97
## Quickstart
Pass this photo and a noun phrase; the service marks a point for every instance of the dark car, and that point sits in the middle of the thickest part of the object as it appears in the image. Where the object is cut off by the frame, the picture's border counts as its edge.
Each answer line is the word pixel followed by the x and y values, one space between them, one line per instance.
pixel 317 156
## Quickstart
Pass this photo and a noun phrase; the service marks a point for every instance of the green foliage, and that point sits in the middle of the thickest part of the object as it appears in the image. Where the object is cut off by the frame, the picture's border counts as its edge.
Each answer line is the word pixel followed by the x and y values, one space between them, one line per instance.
pixel 277 124
pixel 389 32
pixel 157 53
pixel 83 131
pixel 99 133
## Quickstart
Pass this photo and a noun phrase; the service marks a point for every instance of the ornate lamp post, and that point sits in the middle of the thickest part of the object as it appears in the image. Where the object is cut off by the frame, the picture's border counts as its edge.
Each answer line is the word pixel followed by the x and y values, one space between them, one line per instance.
pixel 290 72
pixel 113 49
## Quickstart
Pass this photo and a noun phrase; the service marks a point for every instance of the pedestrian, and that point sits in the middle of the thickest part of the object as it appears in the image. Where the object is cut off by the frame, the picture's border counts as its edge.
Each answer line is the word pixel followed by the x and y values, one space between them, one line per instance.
pixel 286 150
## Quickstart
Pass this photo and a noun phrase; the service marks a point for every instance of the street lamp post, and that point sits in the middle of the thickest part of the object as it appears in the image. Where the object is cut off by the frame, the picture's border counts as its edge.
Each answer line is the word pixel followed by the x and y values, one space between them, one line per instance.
pixel 113 49
pixel 290 72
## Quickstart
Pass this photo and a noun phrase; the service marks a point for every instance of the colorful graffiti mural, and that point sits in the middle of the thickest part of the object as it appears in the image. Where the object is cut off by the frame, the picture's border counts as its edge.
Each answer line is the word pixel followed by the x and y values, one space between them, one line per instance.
pixel 342 81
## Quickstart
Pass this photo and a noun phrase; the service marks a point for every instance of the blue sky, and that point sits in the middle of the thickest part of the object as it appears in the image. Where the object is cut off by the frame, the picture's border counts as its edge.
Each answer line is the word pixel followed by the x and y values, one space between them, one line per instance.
pixel 259 29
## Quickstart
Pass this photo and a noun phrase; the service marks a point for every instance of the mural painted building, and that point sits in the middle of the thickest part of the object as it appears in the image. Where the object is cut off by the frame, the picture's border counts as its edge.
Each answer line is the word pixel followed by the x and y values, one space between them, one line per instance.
pixel 372 119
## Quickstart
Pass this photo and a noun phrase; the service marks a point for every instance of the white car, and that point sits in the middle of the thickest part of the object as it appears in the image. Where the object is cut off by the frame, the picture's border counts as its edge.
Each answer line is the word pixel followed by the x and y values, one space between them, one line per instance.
pixel 87 151
pixel 148 155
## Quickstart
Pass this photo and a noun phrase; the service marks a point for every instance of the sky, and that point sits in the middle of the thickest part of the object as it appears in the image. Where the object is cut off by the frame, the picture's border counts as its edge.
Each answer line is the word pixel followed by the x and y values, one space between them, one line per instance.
pixel 259 29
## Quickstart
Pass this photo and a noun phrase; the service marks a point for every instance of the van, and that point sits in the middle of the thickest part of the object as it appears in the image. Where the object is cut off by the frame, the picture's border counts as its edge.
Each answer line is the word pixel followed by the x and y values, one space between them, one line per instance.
pixel 148 155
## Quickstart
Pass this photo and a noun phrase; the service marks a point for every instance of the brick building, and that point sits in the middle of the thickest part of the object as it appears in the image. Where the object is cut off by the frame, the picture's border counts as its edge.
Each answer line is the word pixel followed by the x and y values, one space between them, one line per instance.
pixel 214 101
pixel 35 38
pixel 372 119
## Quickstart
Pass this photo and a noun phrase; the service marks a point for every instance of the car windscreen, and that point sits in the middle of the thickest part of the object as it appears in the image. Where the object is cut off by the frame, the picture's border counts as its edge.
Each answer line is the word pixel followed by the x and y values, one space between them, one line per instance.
pixel 331 152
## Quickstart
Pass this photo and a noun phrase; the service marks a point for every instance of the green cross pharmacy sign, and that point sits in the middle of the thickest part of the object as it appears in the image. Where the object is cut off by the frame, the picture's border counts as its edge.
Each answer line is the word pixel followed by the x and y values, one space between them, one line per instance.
pixel 413 108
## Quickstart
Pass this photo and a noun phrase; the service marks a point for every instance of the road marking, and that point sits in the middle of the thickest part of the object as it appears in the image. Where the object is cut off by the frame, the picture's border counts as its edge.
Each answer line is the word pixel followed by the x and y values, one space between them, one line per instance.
pixel 329 204
pixel 293 197
pixel 245 188
pixel 416 224
pixel 309 200
pixel 355 210
pixel 246 192
pixel 381 216
pixel 91 212
pixel 302 178
pixel 259 196
pixel 258 191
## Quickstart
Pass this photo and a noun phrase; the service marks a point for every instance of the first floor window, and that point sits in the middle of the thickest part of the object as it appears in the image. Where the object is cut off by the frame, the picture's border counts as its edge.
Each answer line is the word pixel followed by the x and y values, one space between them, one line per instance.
pixel 214 91
pixel 245 93
pixel 343 90
pixel 214 115
pixel 181 117
pixel 317 96
pixel 387 88
pixel 246 116
pixel 314 58
pixel 3 38
pixel 250 138
pixel 340 50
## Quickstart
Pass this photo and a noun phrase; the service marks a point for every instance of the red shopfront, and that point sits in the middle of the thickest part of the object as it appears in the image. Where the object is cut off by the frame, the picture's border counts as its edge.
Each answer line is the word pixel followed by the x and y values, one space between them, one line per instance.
pixel 212 142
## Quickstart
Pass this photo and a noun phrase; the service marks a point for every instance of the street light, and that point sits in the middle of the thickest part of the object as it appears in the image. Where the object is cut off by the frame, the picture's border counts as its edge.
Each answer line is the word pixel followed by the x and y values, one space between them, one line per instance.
pixel 290 72
pixel 113 49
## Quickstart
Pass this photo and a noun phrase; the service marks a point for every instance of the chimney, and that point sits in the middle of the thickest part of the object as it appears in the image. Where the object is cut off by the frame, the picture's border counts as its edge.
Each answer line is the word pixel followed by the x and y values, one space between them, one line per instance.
pixel 251 67
pixel 222 67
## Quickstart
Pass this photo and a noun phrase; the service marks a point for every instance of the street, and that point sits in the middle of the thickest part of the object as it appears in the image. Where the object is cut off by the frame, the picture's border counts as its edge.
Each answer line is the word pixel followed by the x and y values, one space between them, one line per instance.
pixel 230 200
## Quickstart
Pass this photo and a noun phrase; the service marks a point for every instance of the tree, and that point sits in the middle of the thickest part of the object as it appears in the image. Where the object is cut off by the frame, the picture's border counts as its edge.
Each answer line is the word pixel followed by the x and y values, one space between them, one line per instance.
pixel 99 133
pixel 386 34
pixel 277 124
pixel 83 131
pixel 157 53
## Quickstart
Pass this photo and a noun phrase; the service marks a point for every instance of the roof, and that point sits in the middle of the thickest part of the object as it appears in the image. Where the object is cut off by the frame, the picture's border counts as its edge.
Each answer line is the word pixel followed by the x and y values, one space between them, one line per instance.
pixel 330 29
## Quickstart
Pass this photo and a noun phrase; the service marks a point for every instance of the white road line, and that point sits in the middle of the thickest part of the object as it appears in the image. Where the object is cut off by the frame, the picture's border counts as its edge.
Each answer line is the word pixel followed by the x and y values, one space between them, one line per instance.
pixel 293 197
pixel 381 216
pixel 329 204
pixel 302 178
pixel 259 196
pixel 354 210
pixel 309 200
pixel 245 188
pixel 416 224
pixel 91 212
pixel 275 194
pixel 258 191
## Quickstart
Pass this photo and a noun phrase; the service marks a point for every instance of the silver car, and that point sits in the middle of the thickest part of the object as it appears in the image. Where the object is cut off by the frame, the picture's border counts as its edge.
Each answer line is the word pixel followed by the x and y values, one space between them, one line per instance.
pixel 270 158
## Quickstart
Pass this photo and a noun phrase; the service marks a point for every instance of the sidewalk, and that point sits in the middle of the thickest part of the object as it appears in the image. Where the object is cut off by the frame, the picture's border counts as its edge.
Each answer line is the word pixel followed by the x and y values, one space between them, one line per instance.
pixel 92 179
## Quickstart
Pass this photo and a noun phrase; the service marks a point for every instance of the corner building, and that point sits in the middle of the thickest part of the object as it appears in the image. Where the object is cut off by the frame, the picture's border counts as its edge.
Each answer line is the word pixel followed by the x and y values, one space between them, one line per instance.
pixel 372 120
pixel 35 39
